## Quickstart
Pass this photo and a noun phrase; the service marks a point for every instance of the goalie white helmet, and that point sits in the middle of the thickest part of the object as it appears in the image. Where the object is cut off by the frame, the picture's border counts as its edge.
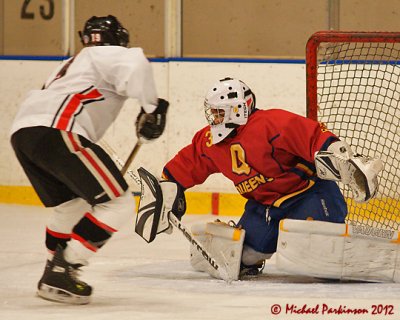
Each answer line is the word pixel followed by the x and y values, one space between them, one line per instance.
pixel 228 105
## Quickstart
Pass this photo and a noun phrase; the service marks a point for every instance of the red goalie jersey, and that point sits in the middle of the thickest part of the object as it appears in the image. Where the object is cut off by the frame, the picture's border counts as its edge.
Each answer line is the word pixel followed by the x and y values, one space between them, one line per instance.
pixel 270 159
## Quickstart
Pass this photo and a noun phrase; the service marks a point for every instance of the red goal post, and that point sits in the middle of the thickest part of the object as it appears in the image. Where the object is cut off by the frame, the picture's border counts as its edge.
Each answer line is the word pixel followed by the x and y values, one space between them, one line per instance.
pixel 353 87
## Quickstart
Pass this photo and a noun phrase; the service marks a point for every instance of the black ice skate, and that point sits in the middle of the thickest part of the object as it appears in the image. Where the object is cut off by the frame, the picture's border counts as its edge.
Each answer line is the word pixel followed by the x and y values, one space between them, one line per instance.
pixel 60 283
pixel 251 271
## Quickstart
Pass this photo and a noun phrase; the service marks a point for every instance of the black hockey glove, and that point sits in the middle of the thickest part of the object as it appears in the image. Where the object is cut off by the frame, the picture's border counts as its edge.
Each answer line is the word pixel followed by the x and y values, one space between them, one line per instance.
pixel 150 126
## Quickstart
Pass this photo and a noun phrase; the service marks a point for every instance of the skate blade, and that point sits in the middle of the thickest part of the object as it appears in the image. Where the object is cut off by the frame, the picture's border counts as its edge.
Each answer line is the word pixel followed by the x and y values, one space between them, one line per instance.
pixel 58 295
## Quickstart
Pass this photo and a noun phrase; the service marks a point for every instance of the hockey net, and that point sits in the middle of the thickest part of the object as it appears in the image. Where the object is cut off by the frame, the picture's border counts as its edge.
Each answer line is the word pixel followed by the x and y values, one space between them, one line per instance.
pixel 353 87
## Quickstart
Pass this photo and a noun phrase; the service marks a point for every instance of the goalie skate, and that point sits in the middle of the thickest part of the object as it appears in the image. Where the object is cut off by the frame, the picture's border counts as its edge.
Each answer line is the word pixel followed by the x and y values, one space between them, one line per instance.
pixel 251 271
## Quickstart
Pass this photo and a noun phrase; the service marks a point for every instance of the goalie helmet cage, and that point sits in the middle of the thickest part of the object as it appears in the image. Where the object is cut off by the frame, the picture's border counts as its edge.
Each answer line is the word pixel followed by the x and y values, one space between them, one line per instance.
pixel 353 87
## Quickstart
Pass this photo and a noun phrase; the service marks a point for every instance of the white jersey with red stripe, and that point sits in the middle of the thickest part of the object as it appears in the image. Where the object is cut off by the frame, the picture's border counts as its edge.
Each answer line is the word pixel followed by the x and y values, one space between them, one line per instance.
pixel 85 93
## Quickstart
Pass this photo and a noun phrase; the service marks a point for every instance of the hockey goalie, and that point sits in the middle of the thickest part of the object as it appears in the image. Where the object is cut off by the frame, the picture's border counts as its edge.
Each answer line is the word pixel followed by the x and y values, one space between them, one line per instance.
pixel 287 167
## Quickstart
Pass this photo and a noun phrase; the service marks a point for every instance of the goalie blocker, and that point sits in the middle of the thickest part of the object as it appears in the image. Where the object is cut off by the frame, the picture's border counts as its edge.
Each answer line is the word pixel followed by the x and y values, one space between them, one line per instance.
pixel 338 251
pixel 157 200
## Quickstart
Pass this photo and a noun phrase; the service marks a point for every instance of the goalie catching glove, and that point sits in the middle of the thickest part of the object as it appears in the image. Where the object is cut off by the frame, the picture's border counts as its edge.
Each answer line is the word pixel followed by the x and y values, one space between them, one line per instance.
pixel 150 126
pixel 360 173
pixel 157 200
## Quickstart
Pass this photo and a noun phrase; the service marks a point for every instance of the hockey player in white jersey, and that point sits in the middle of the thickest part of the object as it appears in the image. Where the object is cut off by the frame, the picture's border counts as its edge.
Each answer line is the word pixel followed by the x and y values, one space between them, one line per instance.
pixel 54 137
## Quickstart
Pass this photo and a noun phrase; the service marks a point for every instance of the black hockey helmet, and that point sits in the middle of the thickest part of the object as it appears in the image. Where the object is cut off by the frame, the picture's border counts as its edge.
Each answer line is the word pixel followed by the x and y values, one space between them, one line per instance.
pixel 104 31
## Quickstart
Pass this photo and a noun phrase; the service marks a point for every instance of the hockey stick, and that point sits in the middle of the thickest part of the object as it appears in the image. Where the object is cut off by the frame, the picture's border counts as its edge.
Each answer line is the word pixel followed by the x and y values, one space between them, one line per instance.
pixel 176 223
pixel 119 162
pixel 131 157
pixel 206 255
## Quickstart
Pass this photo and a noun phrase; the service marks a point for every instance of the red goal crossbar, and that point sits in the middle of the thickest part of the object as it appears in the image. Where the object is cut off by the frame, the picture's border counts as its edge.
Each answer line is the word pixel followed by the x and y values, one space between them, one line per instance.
pixel 312 46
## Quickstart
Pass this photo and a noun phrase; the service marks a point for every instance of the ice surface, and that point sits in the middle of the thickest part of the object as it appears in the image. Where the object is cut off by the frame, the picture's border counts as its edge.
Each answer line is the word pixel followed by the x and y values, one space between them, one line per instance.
pixel 136 280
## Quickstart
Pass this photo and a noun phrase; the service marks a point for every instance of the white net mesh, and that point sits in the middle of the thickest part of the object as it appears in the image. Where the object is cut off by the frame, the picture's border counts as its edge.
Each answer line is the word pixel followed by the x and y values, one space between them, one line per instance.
pixel 358 96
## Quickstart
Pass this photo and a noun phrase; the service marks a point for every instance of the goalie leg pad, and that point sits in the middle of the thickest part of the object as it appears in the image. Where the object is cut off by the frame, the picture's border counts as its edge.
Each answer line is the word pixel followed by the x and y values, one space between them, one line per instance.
pixel 223 242
pixel 335 251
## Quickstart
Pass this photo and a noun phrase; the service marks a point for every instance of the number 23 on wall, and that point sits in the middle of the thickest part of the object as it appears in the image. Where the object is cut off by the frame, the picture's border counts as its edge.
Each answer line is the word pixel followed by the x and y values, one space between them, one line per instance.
pixel 46 10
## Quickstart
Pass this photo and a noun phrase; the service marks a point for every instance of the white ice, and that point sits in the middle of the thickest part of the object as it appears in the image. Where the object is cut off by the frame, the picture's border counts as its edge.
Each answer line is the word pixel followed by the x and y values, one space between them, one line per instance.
pixel 136 280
